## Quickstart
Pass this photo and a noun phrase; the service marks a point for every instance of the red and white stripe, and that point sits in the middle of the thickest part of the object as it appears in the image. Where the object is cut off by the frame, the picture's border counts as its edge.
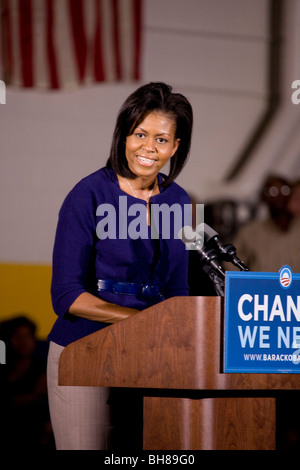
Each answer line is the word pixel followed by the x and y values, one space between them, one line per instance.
pixel 63 43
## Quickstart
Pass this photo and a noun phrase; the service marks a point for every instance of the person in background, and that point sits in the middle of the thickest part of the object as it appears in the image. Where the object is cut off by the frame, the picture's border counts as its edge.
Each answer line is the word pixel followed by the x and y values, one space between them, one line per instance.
pixel 294 199
pixel 25 420
pixel 269 243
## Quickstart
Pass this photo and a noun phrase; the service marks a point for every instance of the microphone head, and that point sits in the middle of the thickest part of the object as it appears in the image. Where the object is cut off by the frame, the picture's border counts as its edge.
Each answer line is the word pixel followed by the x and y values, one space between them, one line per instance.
pixel 208 232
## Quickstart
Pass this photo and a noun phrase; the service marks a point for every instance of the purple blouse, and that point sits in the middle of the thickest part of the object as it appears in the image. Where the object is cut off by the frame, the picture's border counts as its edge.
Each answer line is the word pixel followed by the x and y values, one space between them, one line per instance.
pixel 100 235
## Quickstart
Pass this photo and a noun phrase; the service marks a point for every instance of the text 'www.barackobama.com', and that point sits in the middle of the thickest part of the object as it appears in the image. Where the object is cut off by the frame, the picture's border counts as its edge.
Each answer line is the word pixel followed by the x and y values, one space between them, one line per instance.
pixel 273 357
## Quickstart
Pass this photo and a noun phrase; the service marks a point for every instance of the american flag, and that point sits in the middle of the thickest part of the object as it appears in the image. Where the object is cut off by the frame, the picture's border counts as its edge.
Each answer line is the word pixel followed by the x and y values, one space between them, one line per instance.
pixel 54 44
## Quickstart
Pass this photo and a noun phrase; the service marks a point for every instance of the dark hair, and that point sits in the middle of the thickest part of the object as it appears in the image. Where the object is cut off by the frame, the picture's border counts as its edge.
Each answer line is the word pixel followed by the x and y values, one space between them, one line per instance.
pixel 10 326
pixel 154 96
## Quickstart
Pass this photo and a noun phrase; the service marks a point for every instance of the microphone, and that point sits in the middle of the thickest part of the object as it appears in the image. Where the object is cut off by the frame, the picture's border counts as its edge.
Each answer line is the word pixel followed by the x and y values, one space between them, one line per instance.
pixel 227 252
pixel 208 256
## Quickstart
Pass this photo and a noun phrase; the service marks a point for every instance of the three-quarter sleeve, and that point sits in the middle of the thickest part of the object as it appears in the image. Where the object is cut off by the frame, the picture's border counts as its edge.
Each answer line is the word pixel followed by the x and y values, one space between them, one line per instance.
pixel 73 247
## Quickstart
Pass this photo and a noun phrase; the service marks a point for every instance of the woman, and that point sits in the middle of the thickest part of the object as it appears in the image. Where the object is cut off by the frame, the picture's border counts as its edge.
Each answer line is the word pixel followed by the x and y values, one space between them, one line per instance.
pixel 101 272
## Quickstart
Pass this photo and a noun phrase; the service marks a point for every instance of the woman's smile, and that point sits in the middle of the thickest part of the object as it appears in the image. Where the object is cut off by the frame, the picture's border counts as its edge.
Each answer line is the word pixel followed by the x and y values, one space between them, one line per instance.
pixel 146 161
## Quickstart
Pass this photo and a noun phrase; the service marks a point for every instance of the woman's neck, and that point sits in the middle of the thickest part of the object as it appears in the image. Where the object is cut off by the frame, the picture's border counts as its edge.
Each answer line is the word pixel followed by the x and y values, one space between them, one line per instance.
pixel 142 188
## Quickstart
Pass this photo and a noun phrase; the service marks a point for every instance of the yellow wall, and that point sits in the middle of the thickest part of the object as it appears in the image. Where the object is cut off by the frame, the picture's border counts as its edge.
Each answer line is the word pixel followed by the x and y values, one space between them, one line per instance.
pixel 26 289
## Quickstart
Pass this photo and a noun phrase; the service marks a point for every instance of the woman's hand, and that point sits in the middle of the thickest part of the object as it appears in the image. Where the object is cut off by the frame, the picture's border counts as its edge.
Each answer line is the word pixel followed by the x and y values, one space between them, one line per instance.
pixel 92 308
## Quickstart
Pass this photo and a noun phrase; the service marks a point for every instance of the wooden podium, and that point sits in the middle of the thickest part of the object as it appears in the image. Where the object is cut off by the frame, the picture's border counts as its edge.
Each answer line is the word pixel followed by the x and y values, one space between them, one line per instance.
pixel 173 353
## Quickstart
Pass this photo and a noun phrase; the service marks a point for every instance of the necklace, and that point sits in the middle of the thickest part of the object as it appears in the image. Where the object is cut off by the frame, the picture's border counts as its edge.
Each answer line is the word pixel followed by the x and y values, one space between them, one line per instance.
pixel 135 194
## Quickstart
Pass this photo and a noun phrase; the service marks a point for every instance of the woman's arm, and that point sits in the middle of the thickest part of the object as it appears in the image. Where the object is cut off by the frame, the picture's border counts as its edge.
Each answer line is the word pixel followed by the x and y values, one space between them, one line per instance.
pixel 92 308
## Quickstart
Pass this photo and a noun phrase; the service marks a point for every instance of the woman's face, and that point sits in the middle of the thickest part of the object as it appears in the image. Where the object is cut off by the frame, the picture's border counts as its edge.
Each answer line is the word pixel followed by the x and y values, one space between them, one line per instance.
pixel 151 144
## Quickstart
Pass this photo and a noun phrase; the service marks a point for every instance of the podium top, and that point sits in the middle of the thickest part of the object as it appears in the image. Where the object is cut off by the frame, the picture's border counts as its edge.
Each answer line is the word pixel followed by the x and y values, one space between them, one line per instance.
pixel 177 344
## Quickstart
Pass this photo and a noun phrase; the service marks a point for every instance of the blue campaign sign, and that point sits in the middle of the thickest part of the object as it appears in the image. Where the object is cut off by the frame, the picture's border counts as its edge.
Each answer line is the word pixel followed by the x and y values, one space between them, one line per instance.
pixel 262 322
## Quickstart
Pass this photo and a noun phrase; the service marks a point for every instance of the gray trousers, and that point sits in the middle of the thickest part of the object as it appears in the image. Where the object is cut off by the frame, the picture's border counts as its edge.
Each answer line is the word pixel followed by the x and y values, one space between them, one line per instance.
pixel 80 416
